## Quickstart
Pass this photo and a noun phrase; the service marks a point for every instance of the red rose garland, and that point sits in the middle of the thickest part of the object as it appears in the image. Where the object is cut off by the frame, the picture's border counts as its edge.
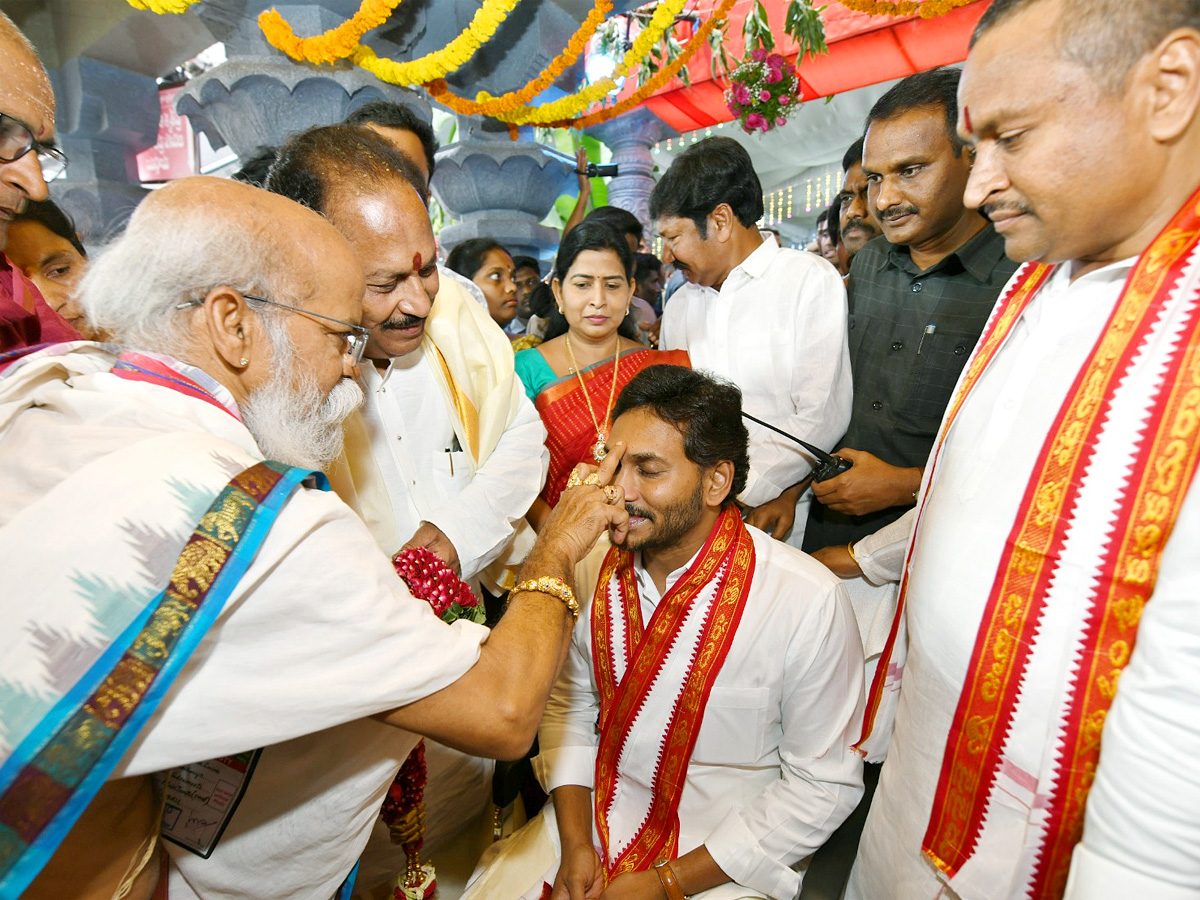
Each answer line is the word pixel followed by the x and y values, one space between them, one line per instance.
pixel 430 579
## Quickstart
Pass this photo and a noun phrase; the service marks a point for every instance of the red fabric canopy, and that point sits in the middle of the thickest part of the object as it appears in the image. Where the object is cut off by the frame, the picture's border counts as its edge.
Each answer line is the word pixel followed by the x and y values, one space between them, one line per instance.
pixel 863 50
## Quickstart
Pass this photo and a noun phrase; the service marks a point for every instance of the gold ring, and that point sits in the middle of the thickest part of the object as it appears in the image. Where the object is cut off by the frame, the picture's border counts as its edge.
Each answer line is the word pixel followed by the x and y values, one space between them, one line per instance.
pixel 612 494
pixel 574 481
pixel 594 478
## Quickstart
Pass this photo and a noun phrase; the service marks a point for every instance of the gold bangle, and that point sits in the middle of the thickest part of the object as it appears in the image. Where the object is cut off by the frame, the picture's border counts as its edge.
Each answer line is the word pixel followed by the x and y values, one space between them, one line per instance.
pixel 670 884
pixel 850 550
pixel 555 587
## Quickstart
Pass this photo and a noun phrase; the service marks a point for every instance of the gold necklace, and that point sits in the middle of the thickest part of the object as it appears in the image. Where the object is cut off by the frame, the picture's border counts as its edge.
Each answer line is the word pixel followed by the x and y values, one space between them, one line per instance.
pixel 599 451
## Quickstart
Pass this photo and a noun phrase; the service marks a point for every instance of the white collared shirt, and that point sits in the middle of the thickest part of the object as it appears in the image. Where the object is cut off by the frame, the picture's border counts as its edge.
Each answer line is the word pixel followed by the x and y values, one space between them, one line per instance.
pixel 430 478
pixel 771 774
pixel 776 329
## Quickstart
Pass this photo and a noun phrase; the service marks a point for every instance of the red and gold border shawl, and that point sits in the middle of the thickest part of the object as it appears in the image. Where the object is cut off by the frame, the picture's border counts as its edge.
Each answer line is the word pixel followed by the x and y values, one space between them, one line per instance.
pixel 1166 461
pixel 728 557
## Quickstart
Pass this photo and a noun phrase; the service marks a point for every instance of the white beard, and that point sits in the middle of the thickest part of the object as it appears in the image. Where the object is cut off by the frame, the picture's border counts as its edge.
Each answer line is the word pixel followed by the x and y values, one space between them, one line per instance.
pixel 292 424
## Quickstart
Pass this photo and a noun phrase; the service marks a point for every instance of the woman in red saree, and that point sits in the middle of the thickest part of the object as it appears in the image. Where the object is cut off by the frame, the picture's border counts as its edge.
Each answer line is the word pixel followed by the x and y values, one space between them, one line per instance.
pixel 589 353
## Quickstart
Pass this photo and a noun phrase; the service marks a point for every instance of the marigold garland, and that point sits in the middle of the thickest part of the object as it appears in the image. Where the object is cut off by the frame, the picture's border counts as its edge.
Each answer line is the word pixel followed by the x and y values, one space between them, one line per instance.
pixel 660 78
pixel 926 9
pixel 334 44
pixel 163 7
pixel 566 109
pixel 440 63
pixel 486 105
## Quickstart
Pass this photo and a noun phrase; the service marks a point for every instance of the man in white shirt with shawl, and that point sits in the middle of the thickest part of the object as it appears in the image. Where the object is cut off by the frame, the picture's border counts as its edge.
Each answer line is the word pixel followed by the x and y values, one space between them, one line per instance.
pixel 144 633
pixel 698 739
pixel 1046 727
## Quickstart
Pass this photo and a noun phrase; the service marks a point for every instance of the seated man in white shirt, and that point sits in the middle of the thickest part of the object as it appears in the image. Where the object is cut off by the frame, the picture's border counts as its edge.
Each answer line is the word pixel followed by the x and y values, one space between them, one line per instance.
pixel 771 320
pixel 714 684
pixel 447 453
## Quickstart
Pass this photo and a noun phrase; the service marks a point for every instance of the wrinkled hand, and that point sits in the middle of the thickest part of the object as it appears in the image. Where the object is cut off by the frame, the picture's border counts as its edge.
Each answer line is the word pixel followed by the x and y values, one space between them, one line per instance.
pixel 837 559
pixel 580 876
pixel 776 517
pixel 871 485
pixel 634 886
pixel 583 513
pixel 434 540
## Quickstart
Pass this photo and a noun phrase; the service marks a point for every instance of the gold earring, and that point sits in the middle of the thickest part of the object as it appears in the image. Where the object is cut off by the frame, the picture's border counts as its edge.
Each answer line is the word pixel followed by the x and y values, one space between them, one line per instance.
pixel 243 362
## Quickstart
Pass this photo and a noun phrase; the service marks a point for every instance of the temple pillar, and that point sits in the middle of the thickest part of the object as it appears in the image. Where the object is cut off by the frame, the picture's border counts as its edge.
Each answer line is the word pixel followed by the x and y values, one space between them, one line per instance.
pixel 631 138
pixel 498 188
pixel 259 97
pixel 105 117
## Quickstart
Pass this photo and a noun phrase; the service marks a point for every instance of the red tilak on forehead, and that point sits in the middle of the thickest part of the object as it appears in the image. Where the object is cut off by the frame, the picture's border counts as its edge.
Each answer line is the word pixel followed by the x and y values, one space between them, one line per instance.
pixel 417 262
pixel 967 120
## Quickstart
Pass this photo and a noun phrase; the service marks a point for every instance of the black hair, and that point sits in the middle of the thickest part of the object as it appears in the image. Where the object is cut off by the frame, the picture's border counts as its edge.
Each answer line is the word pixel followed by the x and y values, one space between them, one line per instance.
pixel 822 216
pixel 254 169
pixel 1106 36
pixel 706 410
pixel 853 156
pixel 467 258
pixel 527 262
pixel 591 234
pixel 933 88
pixel 645 265
pixel 51 216
pixel 541 301
pixel 834 218
pixel 396 115
pixel 315 162
pixel 620 220
pixel 710 172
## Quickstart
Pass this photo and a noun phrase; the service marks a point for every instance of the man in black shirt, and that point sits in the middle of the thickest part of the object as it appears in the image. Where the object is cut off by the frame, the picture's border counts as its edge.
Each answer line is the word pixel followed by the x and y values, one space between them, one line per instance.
pixel 920 296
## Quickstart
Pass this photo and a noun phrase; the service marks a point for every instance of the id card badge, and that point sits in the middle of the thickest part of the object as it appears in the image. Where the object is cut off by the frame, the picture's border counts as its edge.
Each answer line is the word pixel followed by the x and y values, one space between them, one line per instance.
pixel 202 797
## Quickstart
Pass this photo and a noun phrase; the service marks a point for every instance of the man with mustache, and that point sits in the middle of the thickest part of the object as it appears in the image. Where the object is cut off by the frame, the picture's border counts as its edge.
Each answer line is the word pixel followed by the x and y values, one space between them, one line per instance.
pixel 1047 653
pixel 793 373
pixel 919 301
pixel 857 225
pixel 448 453
pixel 177 589
pixel 696 743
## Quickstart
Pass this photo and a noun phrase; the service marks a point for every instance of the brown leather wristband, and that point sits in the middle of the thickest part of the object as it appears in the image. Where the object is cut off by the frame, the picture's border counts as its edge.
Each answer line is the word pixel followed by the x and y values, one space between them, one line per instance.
pixel 670 884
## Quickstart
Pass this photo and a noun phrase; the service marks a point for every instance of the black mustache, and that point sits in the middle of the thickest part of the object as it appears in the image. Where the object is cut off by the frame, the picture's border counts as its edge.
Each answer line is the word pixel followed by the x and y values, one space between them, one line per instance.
pixel 637 511
pixel 861 225
pixel 1009 206
pixel 402 322
pixel 896 212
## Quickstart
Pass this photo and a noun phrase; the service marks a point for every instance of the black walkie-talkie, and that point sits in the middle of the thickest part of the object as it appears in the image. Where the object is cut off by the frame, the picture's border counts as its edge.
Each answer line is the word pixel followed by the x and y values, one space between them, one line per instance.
pixel 827 465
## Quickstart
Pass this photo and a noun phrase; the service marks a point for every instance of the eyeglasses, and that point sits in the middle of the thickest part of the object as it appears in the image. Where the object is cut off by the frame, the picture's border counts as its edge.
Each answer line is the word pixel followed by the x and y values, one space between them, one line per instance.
pixel 355 338
pixel 16 140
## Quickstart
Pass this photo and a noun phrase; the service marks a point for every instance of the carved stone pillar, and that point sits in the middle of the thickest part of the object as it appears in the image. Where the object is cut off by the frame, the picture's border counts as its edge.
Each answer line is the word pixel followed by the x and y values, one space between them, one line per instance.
pixel 631 138
pixel 499 188
pixel 105 117
pixel 258 97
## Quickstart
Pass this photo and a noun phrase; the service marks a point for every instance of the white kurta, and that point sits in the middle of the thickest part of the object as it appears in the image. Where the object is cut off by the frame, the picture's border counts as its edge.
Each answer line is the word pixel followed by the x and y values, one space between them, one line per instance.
pixel 1142 837
pixel 776 329
pixel 103 480
pixel 430 478
pixel 772 774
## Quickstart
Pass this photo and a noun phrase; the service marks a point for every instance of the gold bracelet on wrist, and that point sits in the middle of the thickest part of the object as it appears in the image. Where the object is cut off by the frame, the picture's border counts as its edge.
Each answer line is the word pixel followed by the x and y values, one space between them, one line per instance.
pixel 555 587
pixel 670 884
pixel 850 550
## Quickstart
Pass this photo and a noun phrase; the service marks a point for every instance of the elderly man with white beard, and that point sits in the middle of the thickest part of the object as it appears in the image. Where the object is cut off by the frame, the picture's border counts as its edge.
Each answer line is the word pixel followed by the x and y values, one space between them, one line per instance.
pixel 149 625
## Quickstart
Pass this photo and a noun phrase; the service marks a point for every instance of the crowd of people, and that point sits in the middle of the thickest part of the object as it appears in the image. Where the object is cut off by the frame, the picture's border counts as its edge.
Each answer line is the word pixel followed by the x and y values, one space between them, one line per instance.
pixel 816 558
